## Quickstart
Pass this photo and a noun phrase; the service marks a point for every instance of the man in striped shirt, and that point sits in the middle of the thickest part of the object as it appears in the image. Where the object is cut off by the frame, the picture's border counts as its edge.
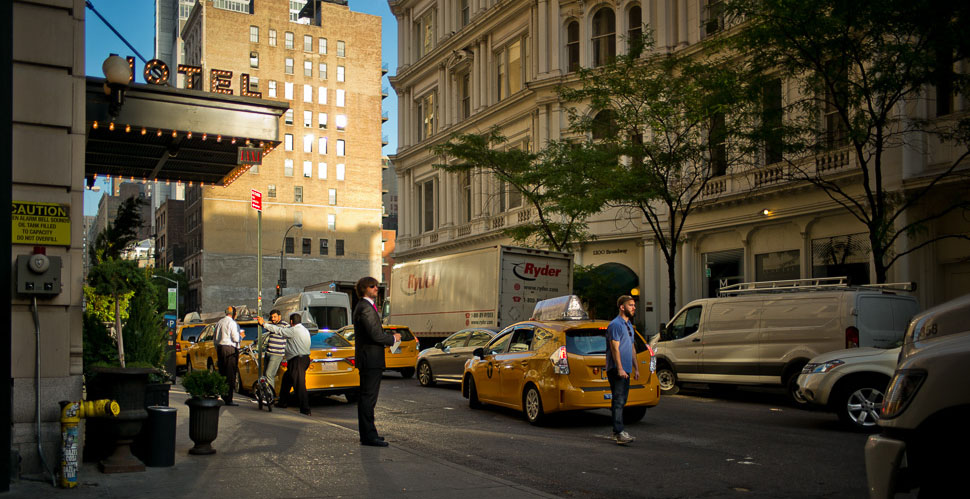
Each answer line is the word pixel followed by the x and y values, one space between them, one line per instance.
pixel 275 345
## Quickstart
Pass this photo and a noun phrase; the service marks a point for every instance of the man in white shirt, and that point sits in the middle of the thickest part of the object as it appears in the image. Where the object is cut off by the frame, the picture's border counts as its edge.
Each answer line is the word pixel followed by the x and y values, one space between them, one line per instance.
pixel 297 355
pixel 226 339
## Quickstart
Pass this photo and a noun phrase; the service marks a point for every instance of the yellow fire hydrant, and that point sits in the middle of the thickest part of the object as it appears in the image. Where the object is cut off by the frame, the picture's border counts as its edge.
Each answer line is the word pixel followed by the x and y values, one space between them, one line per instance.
pixel 71 414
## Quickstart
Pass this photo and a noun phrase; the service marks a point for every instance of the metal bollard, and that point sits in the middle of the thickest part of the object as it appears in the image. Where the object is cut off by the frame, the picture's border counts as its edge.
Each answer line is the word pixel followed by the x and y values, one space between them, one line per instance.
pixel 71 414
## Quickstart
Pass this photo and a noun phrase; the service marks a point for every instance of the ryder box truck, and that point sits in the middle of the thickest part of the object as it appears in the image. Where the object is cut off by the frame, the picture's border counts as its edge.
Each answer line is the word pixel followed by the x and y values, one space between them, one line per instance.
pixel 488 287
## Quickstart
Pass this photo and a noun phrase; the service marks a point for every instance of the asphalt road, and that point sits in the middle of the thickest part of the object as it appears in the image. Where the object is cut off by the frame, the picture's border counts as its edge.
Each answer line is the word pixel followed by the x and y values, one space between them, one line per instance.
pixel 746 443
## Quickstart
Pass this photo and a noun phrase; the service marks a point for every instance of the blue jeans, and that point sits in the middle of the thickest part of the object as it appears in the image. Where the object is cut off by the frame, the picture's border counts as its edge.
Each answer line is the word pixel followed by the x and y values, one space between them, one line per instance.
pixel 620 388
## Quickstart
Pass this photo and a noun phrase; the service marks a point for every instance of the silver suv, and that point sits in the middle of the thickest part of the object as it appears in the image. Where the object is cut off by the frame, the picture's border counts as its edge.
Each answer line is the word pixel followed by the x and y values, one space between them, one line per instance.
pixel 924 437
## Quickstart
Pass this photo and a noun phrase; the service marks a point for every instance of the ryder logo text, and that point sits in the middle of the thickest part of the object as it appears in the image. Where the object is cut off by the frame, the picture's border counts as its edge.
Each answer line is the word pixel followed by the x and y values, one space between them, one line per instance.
pixel 530 271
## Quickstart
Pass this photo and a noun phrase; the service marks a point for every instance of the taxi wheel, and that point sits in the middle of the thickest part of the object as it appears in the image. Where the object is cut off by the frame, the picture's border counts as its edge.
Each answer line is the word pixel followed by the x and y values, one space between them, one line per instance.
pixel 424 374
pixel 473 401
pixel 407 372
pixel 532 406
pixel 634 414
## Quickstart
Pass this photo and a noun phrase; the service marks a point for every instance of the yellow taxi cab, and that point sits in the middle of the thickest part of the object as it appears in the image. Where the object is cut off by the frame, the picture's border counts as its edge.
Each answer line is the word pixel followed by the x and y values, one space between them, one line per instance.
pixel 401 361
pixel 185 336
pixel 332 371
pixel 555 362
pixel 202 354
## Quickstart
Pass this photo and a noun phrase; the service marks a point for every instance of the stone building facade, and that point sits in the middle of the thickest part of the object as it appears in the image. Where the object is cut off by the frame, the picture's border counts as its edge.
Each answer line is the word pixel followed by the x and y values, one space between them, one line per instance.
pixel 467 66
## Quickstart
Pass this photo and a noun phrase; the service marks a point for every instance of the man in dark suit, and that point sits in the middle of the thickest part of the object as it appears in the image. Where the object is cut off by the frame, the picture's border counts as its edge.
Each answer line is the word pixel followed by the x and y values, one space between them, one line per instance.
pixel 369 342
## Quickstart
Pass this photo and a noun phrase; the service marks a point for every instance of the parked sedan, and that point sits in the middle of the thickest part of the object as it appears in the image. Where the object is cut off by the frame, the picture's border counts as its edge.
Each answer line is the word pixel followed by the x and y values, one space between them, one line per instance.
pixel 851 383
pixel 446 360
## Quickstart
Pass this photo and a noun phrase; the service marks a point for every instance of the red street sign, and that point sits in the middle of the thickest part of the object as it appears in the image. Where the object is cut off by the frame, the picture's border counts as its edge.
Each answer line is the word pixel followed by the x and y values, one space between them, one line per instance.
pixel 257 199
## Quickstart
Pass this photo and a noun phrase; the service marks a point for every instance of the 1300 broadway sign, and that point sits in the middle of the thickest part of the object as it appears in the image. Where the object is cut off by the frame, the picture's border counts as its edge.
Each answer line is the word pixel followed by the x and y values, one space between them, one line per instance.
pixel 41 223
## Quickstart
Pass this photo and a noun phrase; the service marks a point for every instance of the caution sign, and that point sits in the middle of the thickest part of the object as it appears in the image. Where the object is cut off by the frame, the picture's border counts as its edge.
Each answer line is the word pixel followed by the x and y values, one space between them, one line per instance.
pixel 41 223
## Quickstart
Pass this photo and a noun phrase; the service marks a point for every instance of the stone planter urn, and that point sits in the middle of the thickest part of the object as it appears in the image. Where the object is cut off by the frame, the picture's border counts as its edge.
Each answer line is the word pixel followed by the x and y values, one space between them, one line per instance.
pixel 204 387
pixel 203 423
pixel 127 387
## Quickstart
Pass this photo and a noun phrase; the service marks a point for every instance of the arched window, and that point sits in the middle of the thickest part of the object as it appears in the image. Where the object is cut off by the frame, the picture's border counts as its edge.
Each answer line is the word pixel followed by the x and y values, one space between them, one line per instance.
pixel 635 29
pixel 572 46
pixel 604 125
pixel 604 36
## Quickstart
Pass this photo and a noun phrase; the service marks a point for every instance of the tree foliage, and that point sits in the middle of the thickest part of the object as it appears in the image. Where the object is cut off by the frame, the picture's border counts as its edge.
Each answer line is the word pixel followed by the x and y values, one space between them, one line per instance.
pixel 550 181
pixel 669 124
pixel 861 69
pixel 112 242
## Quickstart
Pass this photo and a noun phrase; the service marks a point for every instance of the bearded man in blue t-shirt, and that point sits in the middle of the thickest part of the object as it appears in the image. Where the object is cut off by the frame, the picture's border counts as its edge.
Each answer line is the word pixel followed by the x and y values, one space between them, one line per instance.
pixel 621 363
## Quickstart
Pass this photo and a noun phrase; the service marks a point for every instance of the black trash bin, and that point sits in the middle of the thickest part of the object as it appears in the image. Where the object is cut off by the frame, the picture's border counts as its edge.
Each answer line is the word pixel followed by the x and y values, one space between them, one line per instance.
pixel 161 436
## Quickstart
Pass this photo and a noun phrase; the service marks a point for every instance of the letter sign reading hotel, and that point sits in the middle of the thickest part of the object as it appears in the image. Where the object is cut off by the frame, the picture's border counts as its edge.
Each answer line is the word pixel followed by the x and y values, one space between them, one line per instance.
pixel 46 224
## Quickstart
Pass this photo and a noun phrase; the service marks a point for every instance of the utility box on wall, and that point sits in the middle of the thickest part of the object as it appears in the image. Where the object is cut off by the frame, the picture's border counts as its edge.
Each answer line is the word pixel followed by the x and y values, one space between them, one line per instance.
pixel 38 275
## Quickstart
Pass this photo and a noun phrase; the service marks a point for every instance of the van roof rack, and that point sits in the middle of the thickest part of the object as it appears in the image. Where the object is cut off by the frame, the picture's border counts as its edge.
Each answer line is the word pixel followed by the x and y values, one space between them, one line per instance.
pixel 813 284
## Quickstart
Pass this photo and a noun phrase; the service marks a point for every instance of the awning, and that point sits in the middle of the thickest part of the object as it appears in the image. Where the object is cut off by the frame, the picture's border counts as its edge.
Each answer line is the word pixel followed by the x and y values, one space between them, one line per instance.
pixel 177 135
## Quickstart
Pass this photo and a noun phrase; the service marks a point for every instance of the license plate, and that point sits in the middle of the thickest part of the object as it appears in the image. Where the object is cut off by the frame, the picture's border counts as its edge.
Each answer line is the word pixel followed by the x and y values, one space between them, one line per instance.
pixel 328 366
pixel 653 364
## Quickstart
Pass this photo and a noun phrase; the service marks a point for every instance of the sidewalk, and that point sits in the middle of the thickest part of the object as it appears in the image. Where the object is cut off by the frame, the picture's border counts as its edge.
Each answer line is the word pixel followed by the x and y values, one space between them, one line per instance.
pixel 283 454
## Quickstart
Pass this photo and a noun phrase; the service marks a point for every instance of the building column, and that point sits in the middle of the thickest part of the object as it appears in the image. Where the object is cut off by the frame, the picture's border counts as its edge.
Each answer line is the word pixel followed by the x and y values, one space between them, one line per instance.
pixel 408 42
pixel 401 42
pixel 476 188
pixel 483 72
pixel 650 306
pixel 542 131
pixel 665 24
pixel 682 23
pixel 555 47
pixel 473 76
pixel 542 42
pixel 686 285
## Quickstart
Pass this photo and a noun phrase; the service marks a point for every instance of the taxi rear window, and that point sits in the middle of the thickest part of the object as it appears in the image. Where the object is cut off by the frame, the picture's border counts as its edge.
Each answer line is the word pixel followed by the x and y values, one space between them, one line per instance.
pixel 405 332
pixel 586 341
pixel 593 342
pixel 327 339
pixel 191 331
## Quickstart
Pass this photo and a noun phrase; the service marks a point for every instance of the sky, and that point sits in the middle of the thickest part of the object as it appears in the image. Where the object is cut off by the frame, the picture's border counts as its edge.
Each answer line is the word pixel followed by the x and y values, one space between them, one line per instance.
pixel 135 21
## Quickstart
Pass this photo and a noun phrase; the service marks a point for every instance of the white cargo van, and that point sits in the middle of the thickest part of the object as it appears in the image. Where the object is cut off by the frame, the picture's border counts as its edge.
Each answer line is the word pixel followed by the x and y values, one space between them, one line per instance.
pixel 765 332
pixel 328 309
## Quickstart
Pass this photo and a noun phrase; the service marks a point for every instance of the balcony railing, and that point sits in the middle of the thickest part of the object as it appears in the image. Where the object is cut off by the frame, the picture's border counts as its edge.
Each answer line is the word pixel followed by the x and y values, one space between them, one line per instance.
pixel 766 177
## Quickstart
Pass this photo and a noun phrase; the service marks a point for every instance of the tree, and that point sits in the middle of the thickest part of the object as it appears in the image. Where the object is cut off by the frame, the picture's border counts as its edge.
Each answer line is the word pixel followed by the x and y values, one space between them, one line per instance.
pixel 111 242
pixel 116 278
pixel 549 180
pixel 861 69
pixel 669 123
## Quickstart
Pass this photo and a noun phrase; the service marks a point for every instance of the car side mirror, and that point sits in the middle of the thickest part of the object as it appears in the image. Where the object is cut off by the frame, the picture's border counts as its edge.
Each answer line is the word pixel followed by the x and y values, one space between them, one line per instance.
pixel 191 339
pixel 439 346
pixel 479 352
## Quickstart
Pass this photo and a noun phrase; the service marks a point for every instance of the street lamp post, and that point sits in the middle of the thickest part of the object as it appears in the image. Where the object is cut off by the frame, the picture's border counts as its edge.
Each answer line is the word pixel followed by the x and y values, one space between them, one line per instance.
pixel 176 295
pixel 282 280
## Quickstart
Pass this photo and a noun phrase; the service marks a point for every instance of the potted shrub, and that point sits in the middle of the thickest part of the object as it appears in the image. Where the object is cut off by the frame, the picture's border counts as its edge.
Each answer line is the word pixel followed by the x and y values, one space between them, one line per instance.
pixel 204 387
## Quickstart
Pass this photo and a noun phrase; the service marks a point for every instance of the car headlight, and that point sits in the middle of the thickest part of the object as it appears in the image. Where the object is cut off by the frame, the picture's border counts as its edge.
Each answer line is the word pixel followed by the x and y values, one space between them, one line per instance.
pixel 902 389
pixel 822 367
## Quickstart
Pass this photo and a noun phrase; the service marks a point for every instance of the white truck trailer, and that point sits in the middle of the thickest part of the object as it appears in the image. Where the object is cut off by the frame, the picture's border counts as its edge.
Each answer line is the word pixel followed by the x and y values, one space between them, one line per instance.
pixel 488 287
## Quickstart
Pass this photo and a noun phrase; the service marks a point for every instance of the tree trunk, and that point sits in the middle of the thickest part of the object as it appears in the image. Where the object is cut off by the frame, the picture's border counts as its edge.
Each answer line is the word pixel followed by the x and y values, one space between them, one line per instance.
pixel 121 343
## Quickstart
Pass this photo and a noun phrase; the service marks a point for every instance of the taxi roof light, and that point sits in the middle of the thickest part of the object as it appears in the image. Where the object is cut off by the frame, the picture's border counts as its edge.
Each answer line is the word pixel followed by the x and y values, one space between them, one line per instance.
pixel 562 308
